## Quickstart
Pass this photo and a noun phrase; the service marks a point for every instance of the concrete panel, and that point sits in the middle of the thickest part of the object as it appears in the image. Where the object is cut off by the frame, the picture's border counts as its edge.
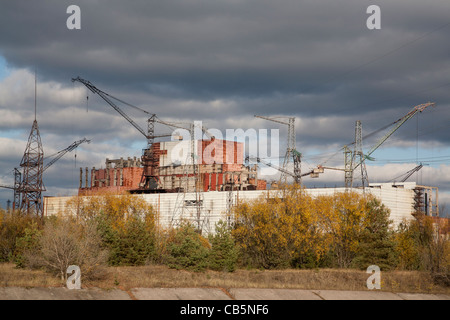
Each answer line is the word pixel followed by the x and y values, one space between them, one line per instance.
pixel 273 294
pixel 16 293
pixel 179 294
pixel 356 295
pixel 423 296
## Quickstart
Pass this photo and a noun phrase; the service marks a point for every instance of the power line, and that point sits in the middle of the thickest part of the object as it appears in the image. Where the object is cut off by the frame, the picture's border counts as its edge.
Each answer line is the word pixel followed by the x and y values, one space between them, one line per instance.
pixel 385 54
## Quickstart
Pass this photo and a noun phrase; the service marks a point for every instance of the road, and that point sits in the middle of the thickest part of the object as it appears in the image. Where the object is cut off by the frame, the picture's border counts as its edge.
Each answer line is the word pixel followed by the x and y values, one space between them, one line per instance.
pixel 16 293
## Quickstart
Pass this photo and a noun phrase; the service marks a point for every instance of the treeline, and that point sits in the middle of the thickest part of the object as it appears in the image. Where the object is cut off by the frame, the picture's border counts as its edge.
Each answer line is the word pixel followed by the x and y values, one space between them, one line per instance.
pixel 291 230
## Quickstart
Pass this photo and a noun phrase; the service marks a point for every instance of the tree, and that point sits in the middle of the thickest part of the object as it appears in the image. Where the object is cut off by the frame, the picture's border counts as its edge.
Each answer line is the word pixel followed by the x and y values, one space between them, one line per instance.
pixel 341 218
pixel 280 231
pixel 407 247
pixel 126 224
pixel 131 245
pixel 187 249
pixel 12 227
pixel 423 244
pixel 28 247
pixel 224 254
pixel 376 243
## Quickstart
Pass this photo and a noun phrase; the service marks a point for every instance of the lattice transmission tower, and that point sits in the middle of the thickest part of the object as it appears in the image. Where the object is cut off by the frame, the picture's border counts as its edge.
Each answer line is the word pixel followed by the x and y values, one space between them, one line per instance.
pixel 32 164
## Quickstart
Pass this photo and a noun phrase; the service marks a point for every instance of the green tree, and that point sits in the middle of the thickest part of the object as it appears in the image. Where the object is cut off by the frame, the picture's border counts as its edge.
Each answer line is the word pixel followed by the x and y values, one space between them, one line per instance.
pixel 187 249
pixel 376 243
pixel 224 254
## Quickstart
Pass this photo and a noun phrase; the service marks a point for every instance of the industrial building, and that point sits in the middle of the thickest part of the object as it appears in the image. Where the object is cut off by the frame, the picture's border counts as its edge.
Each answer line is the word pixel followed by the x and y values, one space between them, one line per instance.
pixel 403 200
pixel 218 167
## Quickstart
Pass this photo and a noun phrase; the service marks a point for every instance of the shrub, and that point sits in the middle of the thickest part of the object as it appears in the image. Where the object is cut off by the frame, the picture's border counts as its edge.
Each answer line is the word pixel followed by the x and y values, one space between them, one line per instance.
pixel 126 224
pixel 27 246
pixel 12 227
pixel 65 242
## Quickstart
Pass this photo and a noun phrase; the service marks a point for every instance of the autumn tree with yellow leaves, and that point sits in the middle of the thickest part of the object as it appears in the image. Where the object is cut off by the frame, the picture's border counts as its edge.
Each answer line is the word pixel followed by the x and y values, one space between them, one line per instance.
pixel 126 224
pixel 293 229
pixel 280 231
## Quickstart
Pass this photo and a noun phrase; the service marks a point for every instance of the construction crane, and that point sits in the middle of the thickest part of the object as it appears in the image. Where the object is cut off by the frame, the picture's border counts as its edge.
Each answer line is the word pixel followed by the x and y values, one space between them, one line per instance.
pixel 61 153
pixel 314 173
pixel 351 165
pixel 290 150
pixel 150 178
pixel 19 187
pixel 398 124
pixel 408 174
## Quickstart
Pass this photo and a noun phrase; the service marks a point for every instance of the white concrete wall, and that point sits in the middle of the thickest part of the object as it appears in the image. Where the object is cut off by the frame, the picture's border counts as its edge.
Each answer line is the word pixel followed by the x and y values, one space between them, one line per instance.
pixel 169 205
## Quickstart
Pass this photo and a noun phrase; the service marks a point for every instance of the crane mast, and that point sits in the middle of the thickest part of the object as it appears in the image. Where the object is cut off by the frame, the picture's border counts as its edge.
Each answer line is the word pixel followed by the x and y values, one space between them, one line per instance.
pixel 291 151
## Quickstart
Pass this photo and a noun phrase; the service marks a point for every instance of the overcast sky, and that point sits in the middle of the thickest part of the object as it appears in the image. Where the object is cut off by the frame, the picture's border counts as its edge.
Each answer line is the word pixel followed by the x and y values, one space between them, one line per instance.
pixel 222 62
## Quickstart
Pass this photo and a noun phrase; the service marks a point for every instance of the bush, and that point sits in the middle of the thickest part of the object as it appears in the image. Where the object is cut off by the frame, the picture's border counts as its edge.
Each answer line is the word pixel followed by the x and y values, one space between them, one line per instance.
pixel 187 249
pixel 224 254
pixel 27 246
pixel 126 225
pixel 65 242
pixel 12 227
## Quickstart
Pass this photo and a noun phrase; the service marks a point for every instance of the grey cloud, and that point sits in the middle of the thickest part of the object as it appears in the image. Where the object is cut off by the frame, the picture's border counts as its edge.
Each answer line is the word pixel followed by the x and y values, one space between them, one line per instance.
pixel 224 61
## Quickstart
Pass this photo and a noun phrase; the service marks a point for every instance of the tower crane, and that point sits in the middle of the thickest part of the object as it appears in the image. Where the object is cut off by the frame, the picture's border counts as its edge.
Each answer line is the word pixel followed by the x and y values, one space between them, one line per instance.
pixel 290 150
pixel 351 166
pixel 150 177
pixel 417 109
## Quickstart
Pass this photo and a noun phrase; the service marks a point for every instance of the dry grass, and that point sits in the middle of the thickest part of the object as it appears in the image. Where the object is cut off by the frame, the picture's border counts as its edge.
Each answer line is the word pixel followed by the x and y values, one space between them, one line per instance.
pixel 14 277
pixel 161 276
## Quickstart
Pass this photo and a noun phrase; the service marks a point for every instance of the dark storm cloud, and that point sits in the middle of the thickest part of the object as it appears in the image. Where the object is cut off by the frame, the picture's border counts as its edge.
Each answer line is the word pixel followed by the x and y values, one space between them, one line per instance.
pixel 224 61
pixel 220 47
pixel 318 57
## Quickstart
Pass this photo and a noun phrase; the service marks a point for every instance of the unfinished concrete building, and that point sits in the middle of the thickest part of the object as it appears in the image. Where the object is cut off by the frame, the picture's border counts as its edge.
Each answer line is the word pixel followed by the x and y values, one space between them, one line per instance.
pixel 214 165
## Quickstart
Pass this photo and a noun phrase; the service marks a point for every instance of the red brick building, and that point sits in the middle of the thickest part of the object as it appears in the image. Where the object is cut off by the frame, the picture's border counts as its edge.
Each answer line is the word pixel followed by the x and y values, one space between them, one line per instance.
pixel 217 166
